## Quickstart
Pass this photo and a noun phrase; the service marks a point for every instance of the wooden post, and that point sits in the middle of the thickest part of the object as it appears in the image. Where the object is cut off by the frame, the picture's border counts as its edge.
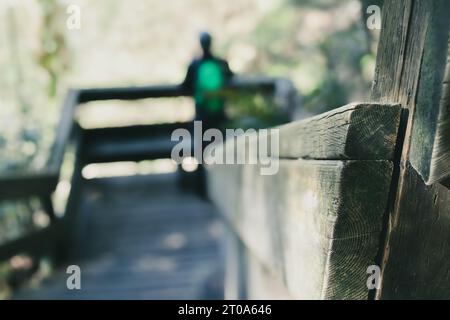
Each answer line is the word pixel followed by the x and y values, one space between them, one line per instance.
pixel 412 70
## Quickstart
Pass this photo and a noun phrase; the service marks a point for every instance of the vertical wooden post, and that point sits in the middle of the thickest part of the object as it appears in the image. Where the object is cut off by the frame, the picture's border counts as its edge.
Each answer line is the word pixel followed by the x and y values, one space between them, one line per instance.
pixel 411 64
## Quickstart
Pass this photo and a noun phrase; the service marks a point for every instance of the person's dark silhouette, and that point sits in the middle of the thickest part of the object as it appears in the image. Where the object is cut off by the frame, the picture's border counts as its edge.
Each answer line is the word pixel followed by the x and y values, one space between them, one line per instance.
pixel 205 79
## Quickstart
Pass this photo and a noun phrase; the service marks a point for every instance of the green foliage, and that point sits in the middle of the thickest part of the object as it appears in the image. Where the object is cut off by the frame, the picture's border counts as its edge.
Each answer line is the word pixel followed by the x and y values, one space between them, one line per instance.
pixel 5 272
pixel 15 220
pixel 319 4
pixel 53 56
pixel 247 110
pixel 327 56
pixel 31 85
pixel 32 64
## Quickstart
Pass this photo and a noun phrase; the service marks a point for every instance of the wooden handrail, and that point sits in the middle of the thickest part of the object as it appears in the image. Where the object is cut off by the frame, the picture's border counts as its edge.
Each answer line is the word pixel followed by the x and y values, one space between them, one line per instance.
pixel 43 183
pixel 130 93
pixel 315 221
pixel 164 91
pixel 23 185
pixel 78 96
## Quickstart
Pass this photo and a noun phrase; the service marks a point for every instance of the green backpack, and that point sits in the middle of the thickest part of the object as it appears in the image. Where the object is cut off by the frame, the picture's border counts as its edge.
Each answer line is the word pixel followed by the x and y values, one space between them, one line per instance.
pixel 209 82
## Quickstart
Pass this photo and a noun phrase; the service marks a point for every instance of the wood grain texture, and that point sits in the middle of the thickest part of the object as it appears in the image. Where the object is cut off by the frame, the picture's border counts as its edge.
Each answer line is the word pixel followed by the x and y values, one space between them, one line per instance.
pixel 418 232
pixel 357 131
pixel 440 158
pixel 391 51
pixel 419 241
pixel 411 69
pixel 315 223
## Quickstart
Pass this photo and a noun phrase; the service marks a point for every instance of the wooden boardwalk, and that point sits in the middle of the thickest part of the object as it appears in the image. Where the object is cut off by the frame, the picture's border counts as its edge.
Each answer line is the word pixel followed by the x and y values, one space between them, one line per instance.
pixel 141 237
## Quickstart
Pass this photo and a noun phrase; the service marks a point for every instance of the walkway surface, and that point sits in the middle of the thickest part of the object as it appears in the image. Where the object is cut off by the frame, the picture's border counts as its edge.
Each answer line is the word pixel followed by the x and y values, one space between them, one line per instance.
pixel 141 237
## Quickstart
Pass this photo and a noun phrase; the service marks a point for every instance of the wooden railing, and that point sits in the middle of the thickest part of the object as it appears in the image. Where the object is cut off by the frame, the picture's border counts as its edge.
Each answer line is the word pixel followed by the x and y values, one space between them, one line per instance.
pixel 313 228
pixel 93 145
pixel 319 248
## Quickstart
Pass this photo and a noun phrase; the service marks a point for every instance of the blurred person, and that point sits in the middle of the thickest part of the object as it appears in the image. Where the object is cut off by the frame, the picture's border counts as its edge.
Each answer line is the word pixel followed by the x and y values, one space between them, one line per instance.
pixel 205 80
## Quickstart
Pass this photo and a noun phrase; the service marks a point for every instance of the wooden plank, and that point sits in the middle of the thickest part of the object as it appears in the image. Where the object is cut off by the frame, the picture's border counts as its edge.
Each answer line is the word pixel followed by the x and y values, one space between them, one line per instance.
pixel 130 132
pixel 315 223
pixel 365 131
pixel 132 143
pixel 412 69
pixel 358 131
pixel 130 93
pixel 27 185
pixel 64 130
pixel 430 142
pixel 415 264
pixel 440 158
pixel 417 234
pixel 159 91
pixel 392 49
pixel 134 150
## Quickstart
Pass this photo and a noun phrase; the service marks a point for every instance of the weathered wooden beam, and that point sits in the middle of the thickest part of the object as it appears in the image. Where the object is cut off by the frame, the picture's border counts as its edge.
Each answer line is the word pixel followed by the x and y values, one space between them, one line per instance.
pixel 365 131
pixel 133 150
pixel 440 158
pixel 134 131
pixel 315 223
pixel 415 264
pixel 163 91
pixel 132 143
pixel 411 70
pixel 386 85
pixel 430 146
pixel 27 185
pixel 64 130
pixel 358 131
pixel 130 93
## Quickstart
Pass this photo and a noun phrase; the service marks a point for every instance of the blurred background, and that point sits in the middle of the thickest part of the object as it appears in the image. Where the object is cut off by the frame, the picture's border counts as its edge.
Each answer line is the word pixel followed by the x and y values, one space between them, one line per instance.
pixel 322 46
